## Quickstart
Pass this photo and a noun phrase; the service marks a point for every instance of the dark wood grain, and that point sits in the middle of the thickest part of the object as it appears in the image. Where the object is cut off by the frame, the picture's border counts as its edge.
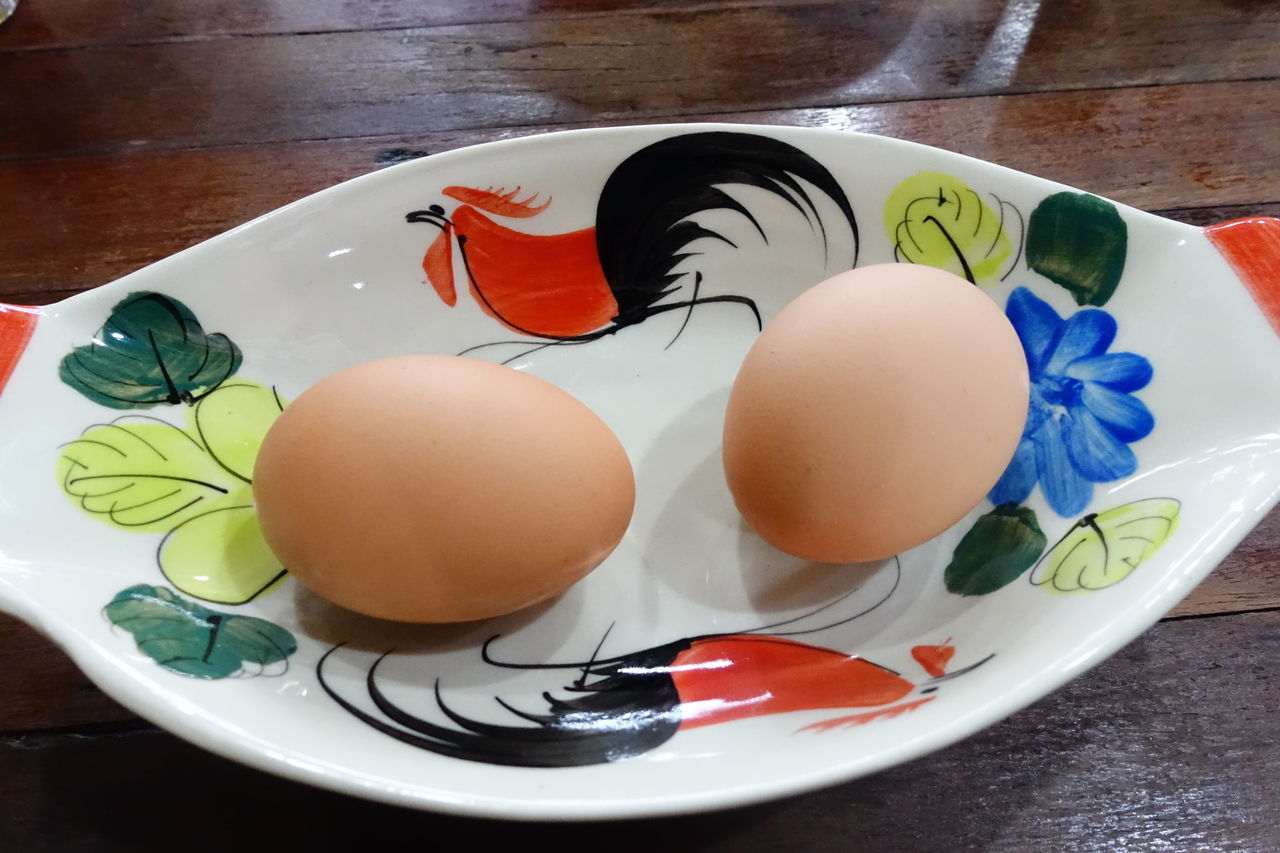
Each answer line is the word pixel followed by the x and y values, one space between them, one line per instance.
pixel 1155 750
pixel 51 693
pixel 82 23
pixel 548 69
pixel 89 220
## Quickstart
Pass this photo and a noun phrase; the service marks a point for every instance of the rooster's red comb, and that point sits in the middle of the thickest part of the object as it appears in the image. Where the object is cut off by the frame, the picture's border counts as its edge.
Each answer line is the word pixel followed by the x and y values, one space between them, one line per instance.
pixel 498 202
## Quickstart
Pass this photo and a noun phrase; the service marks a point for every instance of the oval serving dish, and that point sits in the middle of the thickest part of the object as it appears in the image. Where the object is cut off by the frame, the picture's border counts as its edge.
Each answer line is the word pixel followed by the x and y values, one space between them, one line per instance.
pixel 697 668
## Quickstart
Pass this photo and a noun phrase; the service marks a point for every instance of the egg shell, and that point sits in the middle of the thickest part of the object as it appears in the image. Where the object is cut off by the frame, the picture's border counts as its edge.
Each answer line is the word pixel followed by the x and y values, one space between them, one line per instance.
pixel 440 489
pixel 874 412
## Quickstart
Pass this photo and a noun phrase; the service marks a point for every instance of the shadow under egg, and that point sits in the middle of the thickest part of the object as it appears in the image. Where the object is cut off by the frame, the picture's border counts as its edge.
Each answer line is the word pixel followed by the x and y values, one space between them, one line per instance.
pixel 331 624
pixel 776 582
pixel 697 544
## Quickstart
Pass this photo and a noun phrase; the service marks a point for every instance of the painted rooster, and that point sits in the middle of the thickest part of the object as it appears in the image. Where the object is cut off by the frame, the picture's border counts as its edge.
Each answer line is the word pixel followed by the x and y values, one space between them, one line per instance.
pixel 583 285
pixel 623 706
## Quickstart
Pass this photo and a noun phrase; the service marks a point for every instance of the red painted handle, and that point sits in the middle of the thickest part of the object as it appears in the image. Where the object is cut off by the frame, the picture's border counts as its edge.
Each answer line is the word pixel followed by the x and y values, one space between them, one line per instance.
pixel 1252 247
pixel 17 324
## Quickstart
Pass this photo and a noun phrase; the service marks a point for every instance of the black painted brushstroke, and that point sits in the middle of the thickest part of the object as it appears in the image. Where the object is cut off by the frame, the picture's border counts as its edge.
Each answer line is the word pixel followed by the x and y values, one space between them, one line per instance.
pixel 642 218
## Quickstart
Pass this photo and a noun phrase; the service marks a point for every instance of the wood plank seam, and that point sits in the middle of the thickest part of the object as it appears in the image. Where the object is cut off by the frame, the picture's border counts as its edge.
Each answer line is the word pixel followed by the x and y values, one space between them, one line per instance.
pixel 1183 617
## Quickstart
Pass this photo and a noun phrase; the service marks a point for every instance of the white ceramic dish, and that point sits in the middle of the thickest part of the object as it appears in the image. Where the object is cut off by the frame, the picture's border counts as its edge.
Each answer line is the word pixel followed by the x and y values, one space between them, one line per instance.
pixel 1147 458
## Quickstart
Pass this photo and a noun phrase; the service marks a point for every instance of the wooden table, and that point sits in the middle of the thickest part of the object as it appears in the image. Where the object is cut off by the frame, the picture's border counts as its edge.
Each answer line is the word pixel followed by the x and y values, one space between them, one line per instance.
pixel 130 129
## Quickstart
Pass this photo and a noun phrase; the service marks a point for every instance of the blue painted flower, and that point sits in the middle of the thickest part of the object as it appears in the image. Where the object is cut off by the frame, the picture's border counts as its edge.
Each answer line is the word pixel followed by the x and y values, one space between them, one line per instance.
pixel 1083 415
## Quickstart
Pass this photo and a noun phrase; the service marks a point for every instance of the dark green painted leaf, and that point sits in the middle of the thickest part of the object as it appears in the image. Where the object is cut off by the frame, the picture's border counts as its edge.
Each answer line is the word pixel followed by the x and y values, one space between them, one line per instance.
pixel 151 351
pixel 999 547
pixel 183 636
pixel 1078 241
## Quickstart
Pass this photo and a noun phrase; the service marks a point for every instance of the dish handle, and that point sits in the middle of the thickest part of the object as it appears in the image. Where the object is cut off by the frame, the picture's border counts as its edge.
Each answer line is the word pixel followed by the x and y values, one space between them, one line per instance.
pixel 1252 248
pixel 17 324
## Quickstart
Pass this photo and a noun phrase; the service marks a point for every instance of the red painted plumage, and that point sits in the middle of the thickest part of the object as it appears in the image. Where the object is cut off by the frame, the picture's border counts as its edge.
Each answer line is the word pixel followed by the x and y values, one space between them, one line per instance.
pixel 731 677
pixel 438 265
pixel 934 659
pixel 536 284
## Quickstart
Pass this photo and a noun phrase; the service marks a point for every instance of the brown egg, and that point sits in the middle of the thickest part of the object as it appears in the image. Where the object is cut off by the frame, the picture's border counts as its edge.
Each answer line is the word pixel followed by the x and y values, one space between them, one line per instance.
pixel 440 489
pixel 873 413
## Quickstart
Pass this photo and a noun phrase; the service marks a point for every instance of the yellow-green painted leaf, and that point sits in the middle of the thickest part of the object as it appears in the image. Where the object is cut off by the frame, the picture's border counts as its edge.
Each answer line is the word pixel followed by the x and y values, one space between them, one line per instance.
pixel 220 555
pixel 184 637
pixel 232 421
pixel 1103 549
pixel 140 473
pixel 935 219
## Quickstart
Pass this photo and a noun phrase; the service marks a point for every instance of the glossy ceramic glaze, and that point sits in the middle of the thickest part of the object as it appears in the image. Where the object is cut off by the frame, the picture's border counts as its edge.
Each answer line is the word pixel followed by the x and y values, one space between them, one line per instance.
pixel 698 667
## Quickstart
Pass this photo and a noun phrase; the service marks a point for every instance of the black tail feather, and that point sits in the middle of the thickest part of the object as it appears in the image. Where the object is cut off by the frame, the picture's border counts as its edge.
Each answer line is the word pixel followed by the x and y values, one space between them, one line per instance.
pixel 630 707
pixel 642 218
